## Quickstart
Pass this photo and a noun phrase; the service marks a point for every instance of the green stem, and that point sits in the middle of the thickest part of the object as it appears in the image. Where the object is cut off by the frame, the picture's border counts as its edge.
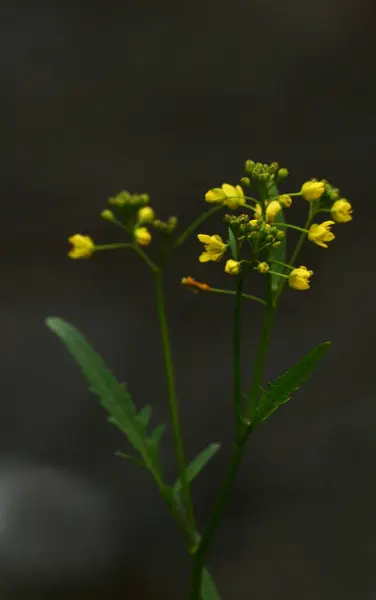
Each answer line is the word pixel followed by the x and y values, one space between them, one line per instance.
pixel 114 246
pixel 278 262
pixel 218 510
pixel 237 399
pixel 173 403
pixel 258 370
pixel 233 293
pixel 289 226
pixel 295 254
pixel 196 223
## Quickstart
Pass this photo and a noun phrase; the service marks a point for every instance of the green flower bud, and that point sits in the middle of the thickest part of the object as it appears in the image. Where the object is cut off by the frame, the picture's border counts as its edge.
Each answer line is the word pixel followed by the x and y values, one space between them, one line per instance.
pixel 273 168
pixel 249 166
pixel 276 244
pixel 280 235
pixel 245 181
pixel 283 173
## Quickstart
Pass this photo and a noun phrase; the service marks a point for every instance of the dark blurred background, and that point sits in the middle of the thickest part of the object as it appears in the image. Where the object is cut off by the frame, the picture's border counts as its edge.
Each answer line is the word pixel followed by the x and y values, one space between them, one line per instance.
pixel 171 98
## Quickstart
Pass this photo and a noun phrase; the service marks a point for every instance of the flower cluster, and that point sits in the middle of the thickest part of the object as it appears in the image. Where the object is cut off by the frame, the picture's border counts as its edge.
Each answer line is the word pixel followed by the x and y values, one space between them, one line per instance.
pixel 132 213
pixel 252 241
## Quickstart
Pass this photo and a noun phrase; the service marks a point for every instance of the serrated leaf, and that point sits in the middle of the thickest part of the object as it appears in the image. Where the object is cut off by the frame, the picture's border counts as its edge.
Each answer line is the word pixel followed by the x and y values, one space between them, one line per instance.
pixel 130 458
pixel 280 391
pixel 208 587
pixel 157 434
pixel 233 244
pixel 197 464
pixel 113 395
pixel 144 416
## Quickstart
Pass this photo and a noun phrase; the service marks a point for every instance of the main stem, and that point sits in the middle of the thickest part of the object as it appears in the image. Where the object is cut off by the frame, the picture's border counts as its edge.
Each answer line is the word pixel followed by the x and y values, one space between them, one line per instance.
pixel 173 403
pixel 237 399
pixel 218 510
pixel 258 371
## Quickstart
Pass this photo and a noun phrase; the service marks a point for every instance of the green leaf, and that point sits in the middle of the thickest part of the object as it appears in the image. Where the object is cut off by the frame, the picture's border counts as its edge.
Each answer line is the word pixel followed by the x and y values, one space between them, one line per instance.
pixel 144 416
pixel 157 434
pixel 197 465
pixel 233 244
pixel 279 253
pixel 208 587
pixel 280 391
pixel 113 395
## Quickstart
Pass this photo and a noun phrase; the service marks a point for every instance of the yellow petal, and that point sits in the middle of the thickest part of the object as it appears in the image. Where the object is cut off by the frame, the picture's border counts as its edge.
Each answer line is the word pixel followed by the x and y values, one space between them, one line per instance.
pixel 204 238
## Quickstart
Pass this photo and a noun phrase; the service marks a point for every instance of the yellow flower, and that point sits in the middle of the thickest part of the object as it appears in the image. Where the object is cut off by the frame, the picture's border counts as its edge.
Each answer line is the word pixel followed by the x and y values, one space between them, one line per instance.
pixel 142 236
pixel 285 200
pixel 215 196
pixel 83 246
pixel 312 190
pixel 341 211
pixel 232 196
pixel 146 215
pixel 319 233
pixel 107 215
pixel 299 278
pixel 214 247
pixel 232 267
pixel 263 267
pixel 272 210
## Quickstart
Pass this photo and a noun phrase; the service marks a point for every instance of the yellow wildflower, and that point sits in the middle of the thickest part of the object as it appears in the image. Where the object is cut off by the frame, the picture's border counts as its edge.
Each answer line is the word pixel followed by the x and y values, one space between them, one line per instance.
pixel 83 246
pixel 232 267
pixel 215 196
pixel 234 196
pixel 285 200
pixel 230 195
pixel 194 285
pixel 341 211
pixel 146 215
pixel 263 267
pixel 312 190
pixel 272 210
pixel 142 236
pixel 319 233
pixel 258 211
pixel 299 278
pixel 214 247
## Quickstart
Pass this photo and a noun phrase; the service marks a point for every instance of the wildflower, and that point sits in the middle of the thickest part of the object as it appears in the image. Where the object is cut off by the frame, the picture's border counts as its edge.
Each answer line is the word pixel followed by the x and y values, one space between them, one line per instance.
pixel 299 278
pixel 319 233
pixel 142 236
pixel 107 215
pixel 214 247
pixel 83 246
pixel 232 267
pixel 272 210
pixel 215 196
pixel 194 285
pixel 312 190
pixel 285 200
pixel 263 267
pixel 341 211
pixel 146 215
pixel 232 196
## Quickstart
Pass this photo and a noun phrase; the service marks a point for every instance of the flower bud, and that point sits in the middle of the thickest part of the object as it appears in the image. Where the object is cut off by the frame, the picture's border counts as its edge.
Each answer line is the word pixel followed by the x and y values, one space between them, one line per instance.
pixel 107 215
pixel 249 166
pixel 142 236
pixel 283 173
pixel 263 267
pixel 285 200
pixel 245 181
pixel 232 267
pixel 146 215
